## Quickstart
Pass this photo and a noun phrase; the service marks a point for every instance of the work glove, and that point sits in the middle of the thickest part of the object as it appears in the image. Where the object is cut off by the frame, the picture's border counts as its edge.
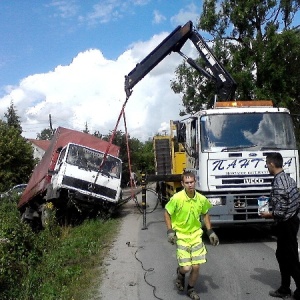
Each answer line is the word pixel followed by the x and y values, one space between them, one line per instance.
pixel 213 238
pixel 171 236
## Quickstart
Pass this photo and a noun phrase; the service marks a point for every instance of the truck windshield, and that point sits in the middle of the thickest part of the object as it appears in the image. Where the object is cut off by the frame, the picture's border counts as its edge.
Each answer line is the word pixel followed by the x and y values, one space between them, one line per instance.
pixel 247 131
pixel 89 159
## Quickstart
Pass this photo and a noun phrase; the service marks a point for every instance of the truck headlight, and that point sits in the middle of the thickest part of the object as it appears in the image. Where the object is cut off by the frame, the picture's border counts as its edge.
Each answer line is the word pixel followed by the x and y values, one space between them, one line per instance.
pixel 215 201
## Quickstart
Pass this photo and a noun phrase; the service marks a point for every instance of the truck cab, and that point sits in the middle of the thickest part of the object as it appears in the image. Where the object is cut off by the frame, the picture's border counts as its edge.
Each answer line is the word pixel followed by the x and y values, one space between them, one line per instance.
pixel 79 175
pixel 226 147
pixel 76 172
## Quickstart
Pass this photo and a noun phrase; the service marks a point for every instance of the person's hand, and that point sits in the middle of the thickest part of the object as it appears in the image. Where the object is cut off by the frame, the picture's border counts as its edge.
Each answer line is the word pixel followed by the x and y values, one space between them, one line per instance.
pixel 213 238
pixel 171 236
pixel 266 215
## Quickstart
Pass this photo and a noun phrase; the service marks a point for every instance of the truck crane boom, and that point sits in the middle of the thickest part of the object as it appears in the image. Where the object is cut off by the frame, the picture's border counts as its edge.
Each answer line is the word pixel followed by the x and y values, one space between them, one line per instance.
pixel 224 145
pixel 225 84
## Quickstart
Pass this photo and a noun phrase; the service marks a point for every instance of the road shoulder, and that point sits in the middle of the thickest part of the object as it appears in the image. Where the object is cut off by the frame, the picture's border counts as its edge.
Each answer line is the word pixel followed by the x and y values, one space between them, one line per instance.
pixel 119 279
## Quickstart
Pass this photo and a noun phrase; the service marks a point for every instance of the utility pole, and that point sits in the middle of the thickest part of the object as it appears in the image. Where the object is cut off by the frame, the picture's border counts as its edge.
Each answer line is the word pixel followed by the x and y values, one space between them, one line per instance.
pixel 50 122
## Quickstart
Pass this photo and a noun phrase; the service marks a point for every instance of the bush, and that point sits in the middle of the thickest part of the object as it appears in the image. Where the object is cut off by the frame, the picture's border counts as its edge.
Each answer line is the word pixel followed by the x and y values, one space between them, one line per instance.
pixel 56 263
pixel 17 249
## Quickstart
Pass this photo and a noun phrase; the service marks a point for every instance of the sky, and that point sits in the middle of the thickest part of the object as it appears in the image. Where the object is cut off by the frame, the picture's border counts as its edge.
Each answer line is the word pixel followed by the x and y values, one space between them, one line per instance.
pixel 67 60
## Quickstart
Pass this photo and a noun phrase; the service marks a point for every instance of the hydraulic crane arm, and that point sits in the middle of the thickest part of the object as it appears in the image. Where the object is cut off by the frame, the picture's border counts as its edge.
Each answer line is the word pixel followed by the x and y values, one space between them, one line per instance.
pixel 226 85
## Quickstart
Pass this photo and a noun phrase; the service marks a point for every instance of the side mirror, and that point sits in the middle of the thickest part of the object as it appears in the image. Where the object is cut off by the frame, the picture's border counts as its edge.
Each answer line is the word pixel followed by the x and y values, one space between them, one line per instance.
pixel 180 132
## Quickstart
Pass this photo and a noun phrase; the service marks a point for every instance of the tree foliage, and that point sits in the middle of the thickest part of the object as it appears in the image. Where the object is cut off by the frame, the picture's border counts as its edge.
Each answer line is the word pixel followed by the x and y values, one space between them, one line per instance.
pixel 16 157
pixel 12 119
pixel 140 154
pixel 98 134
pixel 258 45
pixel 86 128
pixel 45 134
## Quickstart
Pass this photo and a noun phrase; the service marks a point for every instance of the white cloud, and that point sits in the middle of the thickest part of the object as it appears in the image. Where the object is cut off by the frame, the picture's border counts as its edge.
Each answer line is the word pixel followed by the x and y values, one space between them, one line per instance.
pixel 65 8
pixel 158 17
pixel 107 10
pixel 104 12
pixel 190 12
pixel 91 89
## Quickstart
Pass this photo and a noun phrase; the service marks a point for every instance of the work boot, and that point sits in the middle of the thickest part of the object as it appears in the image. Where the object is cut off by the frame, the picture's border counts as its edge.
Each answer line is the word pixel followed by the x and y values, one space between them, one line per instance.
pixel 192 294
pixel 180 280
pixel 280 293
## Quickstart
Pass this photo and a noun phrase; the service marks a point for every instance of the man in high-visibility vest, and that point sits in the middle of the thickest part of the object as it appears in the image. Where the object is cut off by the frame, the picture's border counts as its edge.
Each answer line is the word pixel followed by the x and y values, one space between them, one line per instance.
pixel 182 217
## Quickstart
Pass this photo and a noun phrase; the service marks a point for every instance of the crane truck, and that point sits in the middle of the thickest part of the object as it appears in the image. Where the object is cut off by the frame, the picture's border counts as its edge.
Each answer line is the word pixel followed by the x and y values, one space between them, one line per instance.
pixel 224 145
pixel 78 173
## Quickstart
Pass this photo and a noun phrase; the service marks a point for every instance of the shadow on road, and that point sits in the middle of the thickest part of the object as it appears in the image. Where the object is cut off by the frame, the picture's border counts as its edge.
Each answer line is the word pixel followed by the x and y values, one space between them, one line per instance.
pixel 267 277
pixel 244 234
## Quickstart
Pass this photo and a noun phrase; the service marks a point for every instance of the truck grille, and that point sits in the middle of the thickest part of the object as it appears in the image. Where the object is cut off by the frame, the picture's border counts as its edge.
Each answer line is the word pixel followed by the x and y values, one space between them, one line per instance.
pixel 238 207
pixel 86 186
pixel 245 207
pixel 242 181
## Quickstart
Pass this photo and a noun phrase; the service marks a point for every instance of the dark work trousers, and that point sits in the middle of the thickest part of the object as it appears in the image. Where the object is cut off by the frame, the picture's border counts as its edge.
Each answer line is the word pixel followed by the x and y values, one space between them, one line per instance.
pixel 287 253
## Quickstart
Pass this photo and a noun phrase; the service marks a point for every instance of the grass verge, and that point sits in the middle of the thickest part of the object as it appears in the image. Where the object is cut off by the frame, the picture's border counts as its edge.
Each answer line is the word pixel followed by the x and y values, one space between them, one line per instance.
pixel 57 263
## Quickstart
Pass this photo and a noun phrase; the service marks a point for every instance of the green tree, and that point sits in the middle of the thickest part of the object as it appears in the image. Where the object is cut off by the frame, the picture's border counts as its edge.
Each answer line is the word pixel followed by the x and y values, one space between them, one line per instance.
pixel 16 157
pixel 141 154
pixel 12 119
pixel 256 42
pixel 146 158
pixel 86 128
pixel 98 134
pixel 46 134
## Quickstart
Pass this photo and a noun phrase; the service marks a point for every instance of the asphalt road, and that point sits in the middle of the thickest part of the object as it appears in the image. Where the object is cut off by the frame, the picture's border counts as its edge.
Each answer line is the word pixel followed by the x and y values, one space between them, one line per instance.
pixel 141 264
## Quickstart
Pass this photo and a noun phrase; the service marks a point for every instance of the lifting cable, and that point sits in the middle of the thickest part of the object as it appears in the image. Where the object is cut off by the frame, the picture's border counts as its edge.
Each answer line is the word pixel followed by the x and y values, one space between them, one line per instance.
pixel 132 193
pixel 128 155
pixel 122 113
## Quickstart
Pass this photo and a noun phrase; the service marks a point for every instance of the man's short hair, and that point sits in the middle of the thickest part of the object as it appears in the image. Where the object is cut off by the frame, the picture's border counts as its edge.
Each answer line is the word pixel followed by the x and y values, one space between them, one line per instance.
pixel 187 174
pixel 275 158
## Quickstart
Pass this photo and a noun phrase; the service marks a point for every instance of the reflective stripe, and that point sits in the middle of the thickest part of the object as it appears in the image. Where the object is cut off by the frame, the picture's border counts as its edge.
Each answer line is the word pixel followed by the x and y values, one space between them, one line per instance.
pixel 200 257
pixel 184 260
pixel 198 247
pixel 189 249
pixel 184 248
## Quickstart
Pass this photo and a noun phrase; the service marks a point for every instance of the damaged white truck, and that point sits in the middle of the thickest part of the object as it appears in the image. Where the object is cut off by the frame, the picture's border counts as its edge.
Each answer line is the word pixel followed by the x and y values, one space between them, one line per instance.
pixel 79 174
